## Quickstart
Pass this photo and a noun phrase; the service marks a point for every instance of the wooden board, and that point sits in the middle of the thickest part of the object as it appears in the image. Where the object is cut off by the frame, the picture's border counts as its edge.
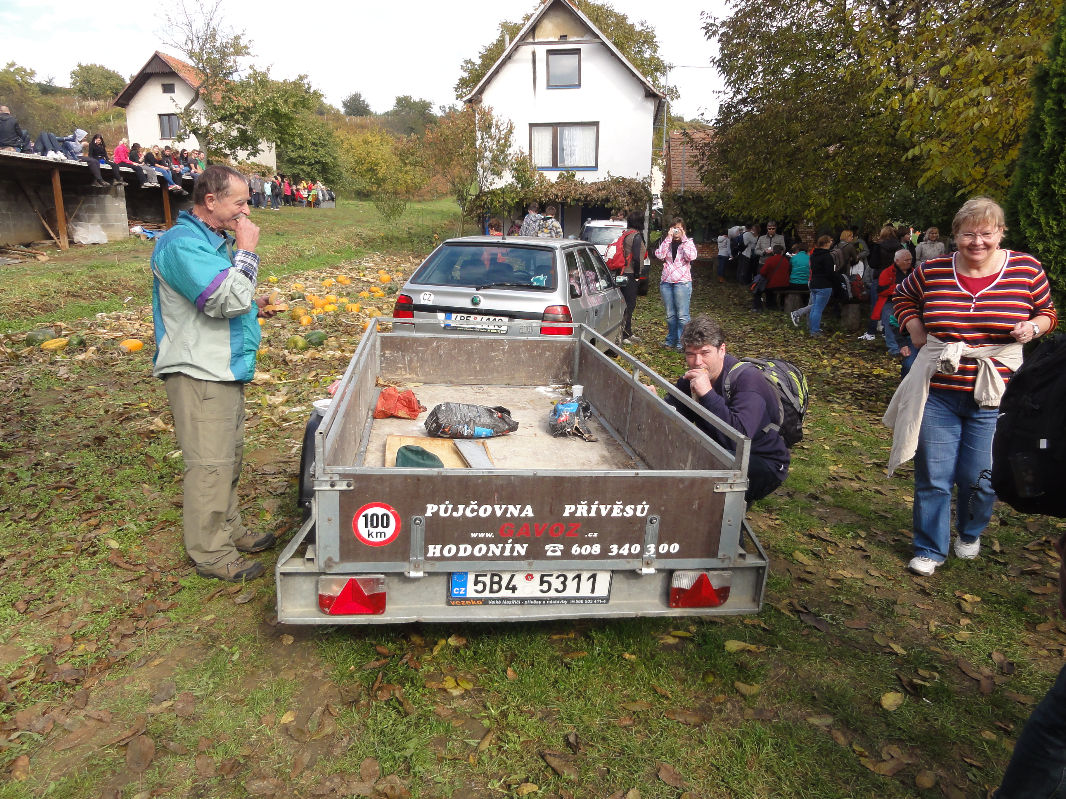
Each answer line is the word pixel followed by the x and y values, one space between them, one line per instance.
pixel 443 448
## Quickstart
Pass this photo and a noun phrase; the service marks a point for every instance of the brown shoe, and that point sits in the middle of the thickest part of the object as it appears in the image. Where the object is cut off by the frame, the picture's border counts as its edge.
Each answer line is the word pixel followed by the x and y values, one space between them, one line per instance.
pixel 234 572
pixel 255 542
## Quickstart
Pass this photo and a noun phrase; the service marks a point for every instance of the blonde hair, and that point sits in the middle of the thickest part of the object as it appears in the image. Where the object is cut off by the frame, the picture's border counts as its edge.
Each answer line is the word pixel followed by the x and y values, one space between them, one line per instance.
pixel 979 210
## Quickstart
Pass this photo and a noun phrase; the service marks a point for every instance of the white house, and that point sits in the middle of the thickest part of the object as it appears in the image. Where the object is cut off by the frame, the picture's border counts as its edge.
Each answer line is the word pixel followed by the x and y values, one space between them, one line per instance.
pixel 154 98
pixel 576 102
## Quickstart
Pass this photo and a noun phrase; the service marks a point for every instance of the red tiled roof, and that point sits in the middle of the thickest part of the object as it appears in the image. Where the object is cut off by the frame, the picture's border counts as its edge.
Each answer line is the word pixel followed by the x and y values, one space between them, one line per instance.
pixel 681 171
pixel 159 64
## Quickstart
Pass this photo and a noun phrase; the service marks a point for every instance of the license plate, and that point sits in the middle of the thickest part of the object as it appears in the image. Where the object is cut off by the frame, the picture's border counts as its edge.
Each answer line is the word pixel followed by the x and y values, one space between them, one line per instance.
pixel 530 588
pixel 469 321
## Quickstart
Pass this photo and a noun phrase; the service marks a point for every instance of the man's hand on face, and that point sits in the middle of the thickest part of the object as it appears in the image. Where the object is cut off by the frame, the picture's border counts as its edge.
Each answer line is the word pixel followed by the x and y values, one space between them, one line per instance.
pixel 699 382
pixel 245 234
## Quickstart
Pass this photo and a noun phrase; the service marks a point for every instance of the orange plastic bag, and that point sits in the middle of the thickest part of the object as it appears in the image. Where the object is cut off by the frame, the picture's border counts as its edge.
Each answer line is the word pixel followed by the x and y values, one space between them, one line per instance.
pixel 401 404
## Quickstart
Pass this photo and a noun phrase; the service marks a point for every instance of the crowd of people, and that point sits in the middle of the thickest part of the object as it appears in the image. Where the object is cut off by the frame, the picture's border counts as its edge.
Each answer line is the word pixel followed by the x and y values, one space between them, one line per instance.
pixel 152 166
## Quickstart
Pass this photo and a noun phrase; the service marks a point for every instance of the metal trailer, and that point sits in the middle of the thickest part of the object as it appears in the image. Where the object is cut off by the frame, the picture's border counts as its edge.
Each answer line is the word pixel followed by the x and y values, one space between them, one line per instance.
pixel 646 521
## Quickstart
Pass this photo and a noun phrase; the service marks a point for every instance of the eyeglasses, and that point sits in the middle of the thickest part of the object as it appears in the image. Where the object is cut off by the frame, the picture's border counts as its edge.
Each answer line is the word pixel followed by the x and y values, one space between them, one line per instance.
pixel 970 238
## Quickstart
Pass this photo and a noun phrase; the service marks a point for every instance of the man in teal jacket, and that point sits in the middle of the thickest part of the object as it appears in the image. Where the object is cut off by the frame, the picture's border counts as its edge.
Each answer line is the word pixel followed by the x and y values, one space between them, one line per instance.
pixel 207 334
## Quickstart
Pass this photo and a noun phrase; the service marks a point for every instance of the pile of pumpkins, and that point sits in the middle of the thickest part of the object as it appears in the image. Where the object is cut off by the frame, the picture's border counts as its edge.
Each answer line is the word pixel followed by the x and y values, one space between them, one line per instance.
pixel 46 339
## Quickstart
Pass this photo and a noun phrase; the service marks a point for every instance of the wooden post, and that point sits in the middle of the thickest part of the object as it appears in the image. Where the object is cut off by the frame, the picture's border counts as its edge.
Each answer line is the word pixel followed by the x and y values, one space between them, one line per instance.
pixel 168 218
pixel 61 216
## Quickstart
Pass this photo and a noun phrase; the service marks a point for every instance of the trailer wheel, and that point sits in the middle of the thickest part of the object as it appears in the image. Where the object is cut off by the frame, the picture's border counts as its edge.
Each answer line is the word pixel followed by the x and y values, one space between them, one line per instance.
pixel 307 465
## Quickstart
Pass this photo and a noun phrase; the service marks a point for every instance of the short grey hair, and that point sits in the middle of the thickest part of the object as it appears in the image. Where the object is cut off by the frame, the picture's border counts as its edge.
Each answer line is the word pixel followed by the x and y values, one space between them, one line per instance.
pixel 215 180
pixel 902 253
pixel 701 331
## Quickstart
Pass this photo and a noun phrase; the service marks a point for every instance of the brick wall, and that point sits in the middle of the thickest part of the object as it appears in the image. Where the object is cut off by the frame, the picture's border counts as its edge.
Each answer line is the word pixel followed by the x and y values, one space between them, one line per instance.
pixel 681 173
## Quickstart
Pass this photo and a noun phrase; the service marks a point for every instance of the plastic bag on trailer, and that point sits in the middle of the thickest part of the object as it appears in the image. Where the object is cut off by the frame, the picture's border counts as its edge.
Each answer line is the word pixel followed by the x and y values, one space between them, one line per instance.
pixel 401 404
pixel 459 420
pixel 567 419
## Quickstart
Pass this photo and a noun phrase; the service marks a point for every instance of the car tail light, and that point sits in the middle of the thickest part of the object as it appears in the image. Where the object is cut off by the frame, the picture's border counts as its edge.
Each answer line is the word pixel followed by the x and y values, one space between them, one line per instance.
pixel 700 589
pixel 404 308
pixel 352 596
pixel 555 313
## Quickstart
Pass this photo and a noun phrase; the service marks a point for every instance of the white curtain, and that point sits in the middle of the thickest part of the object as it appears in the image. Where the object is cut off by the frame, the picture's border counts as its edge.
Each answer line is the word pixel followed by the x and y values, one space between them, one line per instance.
pixel 542 145
pixel 577 145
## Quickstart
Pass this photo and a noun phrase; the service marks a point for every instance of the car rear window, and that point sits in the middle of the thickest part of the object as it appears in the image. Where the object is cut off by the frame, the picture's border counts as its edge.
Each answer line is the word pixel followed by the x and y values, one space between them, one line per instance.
pixel 480 265
pixel 602 235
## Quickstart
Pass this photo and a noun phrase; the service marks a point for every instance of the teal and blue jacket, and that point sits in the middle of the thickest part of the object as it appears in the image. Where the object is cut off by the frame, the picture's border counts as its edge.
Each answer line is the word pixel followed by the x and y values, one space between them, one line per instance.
pixel 203 303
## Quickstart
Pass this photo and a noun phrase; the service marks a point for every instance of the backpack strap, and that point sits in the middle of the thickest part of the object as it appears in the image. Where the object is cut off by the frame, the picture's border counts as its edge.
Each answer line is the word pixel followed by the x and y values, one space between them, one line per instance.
pixel 758 363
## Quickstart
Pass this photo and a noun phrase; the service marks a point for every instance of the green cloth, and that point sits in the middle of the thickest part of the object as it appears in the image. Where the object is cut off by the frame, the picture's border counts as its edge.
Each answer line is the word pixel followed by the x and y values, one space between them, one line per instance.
pixel 410 456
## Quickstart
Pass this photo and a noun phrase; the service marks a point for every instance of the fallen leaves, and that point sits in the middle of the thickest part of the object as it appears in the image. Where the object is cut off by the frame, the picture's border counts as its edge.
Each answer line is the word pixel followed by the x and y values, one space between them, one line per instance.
pixel 892 700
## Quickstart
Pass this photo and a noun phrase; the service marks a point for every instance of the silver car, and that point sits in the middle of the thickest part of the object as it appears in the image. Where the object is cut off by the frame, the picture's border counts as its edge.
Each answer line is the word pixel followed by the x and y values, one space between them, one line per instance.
pixel 515 286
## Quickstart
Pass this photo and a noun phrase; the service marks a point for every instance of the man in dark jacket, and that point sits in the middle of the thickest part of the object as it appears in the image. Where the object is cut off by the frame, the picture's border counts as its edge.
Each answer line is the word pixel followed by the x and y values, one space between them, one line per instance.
pixel 751 406
pixel 10 131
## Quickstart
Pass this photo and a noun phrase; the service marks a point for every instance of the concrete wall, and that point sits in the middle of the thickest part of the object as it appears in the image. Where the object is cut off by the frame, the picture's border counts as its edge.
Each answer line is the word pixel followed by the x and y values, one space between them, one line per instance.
pixel 82 203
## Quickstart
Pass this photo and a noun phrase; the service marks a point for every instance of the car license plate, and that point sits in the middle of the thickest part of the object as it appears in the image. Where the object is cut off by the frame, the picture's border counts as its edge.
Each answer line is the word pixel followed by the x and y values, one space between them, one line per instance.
pixel 469 321
pixel 530 588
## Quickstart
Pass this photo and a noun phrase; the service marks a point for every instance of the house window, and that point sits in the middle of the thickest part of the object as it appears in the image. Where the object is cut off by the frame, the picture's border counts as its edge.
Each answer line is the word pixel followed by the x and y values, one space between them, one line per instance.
pixel 168 88
pixel 168 126
pixel 564 69
pixel 565 146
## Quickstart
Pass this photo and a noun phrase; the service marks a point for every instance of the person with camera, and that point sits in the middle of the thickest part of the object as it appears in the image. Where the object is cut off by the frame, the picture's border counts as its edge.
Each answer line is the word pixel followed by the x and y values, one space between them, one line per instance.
pixel 677 252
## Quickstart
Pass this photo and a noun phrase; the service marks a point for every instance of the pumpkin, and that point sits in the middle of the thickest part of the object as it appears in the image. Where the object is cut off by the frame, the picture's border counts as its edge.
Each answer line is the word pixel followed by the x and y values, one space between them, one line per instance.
pixel 76 340
pixel 329 307
pixel 298 286
pixel 298 312
pixel 296 343
pixel 364 295
pixel 344 280
pixel 353 307
pixel 131 345
pixel 54 344
pixel 316 338
pixel 384 277
pixel 305 321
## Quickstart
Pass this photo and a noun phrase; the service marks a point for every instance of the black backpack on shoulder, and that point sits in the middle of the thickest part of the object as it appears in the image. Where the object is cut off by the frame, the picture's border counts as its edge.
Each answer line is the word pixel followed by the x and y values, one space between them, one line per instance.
pixel 1029 448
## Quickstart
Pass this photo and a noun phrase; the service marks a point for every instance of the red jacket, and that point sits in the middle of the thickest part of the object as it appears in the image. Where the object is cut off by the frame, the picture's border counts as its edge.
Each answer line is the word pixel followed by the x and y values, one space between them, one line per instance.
pixel 776 270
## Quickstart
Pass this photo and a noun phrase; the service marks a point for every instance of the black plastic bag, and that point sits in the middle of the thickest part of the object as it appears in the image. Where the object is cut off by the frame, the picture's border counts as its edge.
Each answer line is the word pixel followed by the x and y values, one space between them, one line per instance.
pixel 459 420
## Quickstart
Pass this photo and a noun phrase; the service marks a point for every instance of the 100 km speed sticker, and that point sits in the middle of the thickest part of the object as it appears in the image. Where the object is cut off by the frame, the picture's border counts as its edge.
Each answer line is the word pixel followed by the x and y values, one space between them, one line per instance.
pixel 376 524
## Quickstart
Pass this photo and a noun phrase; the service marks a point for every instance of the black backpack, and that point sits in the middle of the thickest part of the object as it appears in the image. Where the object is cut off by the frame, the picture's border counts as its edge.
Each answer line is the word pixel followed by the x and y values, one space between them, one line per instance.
pixel 792 394
pixel 1029 448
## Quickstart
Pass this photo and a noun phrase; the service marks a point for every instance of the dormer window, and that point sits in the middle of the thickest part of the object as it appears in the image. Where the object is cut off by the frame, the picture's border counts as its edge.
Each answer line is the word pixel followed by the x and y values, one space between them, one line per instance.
pixel 564 69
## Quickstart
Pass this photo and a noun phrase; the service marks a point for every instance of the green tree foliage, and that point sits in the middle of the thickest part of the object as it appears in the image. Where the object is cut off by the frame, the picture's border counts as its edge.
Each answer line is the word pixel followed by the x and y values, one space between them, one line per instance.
pixel 96 82
pixel 355 105
pixel 34 111
pixel 471 149
pixel 1037 205
pixel 838 110
pixel 408 116
pixel 374 163
pixel 636 41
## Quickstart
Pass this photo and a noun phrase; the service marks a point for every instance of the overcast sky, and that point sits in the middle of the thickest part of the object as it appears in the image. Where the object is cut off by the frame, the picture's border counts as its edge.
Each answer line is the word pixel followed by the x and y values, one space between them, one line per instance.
pixel 410 47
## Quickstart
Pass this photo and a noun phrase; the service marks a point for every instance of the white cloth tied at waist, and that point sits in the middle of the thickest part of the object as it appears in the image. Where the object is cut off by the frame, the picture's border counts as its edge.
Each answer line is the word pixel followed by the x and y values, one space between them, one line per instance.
pixel 905 411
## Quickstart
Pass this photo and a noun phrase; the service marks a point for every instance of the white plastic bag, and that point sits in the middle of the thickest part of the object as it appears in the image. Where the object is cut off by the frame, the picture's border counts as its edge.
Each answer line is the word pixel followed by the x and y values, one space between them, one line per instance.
pixel 86 233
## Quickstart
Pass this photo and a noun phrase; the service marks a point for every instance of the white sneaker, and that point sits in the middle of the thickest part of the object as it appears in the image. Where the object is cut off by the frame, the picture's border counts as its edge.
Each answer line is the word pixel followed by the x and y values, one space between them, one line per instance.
pixel 967 551
pixel 923 566
pixel 794 316
pixel 870 337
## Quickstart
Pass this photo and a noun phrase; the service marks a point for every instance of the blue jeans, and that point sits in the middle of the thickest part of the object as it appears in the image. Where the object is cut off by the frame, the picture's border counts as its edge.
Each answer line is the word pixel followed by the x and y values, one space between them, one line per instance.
pixel 1037 769
pixel 890 334
pixel 676 297
pixel 722 261
pixel 954 450
pixel 819 299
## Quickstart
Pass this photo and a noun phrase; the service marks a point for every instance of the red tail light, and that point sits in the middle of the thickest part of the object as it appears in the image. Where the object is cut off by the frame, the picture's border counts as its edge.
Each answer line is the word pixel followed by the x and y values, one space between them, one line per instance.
pixel 555 313
pixel 405 307
pixel 699 589
pixel 352 596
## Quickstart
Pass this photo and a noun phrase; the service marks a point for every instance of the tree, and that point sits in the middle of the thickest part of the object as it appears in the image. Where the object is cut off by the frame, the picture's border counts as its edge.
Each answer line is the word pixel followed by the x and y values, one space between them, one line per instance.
pixel 409 117
pixel 635 41
pixel 1037 203
pixel 471 149
pixel 96 82
pixel 354 105
pixel 852 103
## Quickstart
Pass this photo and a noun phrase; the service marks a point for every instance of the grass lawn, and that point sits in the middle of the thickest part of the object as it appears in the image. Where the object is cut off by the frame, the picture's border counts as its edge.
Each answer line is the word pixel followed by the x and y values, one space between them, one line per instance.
pixel 124 674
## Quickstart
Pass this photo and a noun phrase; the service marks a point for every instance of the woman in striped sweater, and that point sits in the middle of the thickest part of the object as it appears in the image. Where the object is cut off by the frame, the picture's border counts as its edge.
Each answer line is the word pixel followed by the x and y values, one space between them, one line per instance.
pixel 974 309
